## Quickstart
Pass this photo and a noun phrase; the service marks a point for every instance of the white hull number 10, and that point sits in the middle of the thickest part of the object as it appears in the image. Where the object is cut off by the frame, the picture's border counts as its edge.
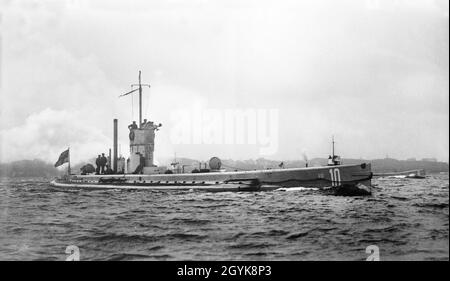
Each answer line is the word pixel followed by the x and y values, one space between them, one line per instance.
pixel 335 177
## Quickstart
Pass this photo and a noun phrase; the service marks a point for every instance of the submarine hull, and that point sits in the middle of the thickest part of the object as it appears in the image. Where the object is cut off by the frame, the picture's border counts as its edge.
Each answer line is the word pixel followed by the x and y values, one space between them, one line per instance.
pixel 258 180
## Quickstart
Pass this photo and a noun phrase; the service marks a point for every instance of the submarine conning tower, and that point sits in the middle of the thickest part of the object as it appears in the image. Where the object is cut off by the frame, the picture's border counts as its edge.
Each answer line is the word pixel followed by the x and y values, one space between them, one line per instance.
pixel 142 140
pixel 142 143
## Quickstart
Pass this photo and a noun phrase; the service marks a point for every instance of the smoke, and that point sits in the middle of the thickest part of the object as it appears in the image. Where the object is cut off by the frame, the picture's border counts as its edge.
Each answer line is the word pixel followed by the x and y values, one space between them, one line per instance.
pixel 46 134
pixel 305 157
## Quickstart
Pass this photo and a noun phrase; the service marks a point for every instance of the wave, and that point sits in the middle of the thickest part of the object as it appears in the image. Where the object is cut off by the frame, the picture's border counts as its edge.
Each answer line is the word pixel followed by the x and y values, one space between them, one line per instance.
pixel 137 238
pixel 432 205
pixel 39 222
pixel 298 235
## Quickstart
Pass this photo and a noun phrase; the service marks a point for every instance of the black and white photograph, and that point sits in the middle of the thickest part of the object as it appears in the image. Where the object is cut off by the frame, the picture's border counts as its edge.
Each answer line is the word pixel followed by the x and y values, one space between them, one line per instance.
pixel 230 132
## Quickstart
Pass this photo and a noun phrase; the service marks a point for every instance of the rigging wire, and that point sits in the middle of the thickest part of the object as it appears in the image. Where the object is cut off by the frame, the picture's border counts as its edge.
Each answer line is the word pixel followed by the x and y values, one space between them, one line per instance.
pixel 148 107
pixel 235 168
pixel 132 107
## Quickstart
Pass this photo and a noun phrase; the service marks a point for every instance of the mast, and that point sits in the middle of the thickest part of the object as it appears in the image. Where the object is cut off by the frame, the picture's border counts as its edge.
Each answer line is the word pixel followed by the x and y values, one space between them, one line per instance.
pixel 114 161
pixel 140 96
pixel 140 100
pixel 332 142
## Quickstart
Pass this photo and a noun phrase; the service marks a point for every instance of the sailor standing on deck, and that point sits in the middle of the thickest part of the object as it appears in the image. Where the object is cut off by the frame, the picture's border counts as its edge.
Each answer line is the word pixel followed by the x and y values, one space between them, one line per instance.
pixel 103 162
pixel 97 163
pixel 108 170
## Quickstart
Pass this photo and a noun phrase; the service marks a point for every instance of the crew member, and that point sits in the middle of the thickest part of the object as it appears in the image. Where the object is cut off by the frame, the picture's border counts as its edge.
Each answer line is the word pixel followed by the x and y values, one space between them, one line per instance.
pixel 144 123
pixel 330 161
pixel 103 162
pixel 133 126
pixel 97 163
pixel 108 170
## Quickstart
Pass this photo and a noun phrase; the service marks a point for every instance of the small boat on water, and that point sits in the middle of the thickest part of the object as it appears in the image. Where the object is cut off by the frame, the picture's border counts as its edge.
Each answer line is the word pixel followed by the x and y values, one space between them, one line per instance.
pixel 140 172
pixel 411 174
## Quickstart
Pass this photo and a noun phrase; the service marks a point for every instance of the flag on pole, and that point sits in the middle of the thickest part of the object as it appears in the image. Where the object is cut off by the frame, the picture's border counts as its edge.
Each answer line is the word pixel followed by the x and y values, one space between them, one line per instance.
pixel 63 158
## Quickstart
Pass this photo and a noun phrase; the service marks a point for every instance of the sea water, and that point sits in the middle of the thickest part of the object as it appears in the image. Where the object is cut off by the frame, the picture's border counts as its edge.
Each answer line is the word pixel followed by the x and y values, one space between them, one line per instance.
pixel 404 219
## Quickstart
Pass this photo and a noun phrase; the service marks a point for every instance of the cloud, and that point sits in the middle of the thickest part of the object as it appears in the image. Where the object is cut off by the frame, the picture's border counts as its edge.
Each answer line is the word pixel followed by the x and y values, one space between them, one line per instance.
pixel 354 69
pixel 46 134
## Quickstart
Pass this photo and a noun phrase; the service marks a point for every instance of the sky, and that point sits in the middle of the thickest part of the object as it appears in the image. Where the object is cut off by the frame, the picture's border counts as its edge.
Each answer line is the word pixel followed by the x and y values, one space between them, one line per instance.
pixel 373 73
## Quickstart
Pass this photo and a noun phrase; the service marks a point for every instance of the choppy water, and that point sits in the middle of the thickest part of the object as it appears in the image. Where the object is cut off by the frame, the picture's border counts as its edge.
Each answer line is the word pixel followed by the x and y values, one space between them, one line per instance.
pixel 408 219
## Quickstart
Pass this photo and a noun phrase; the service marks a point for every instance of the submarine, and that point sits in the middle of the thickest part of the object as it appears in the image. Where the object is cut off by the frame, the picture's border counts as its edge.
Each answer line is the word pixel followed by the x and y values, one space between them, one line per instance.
pixel 140 172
